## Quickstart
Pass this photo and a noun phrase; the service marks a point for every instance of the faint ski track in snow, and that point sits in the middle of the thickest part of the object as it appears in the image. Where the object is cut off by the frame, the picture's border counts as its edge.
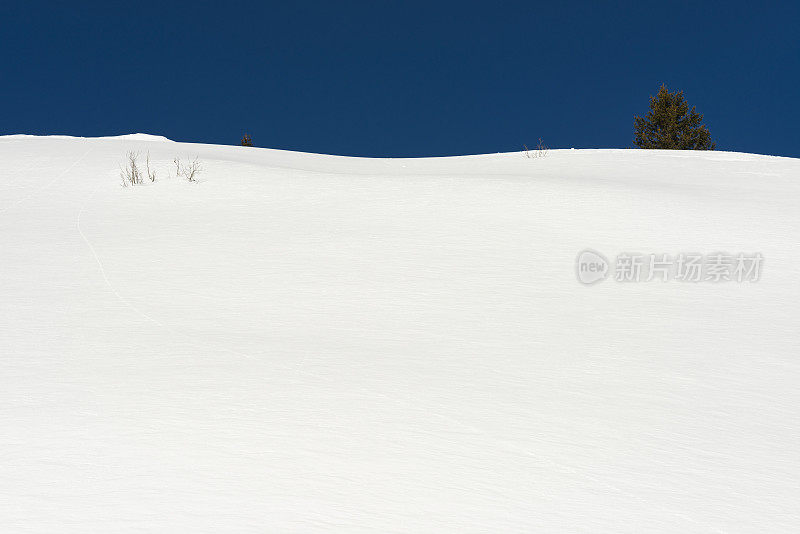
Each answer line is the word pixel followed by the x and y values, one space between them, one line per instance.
pixel 102 269
pixel 609 485
pixel 296 368
pixel 123 299
pixel 508 446
pixel 47 185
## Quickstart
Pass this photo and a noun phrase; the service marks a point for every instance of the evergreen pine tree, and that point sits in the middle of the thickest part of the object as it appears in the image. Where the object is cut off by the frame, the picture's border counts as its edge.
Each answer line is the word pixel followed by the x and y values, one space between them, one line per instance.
pixel 670 124
pixel 246 140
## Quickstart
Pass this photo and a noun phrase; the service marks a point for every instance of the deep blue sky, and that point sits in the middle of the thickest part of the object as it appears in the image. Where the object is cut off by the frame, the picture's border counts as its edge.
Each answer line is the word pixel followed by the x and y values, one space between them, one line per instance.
pixel 402 78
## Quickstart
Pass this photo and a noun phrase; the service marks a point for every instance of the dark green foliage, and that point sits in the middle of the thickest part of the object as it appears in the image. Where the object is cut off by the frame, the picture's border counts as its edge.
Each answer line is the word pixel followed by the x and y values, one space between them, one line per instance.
pixel 246 140
pixel 670 124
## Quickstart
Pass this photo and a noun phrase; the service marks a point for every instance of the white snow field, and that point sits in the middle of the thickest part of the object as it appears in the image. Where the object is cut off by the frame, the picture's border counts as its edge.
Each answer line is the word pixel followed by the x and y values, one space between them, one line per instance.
pixel 309 343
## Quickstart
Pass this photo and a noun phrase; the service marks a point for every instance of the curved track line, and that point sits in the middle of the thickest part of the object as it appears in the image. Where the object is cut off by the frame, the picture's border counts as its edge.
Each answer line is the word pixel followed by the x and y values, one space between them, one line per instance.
pixel 47 185
pixel 125 301
pixel 102 269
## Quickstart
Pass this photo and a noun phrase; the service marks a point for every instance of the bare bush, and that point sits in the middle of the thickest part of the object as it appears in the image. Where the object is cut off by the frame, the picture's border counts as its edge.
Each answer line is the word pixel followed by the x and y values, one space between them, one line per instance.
pixel 189 170
pixel 150 174
pixel 130 174
pixel 540 151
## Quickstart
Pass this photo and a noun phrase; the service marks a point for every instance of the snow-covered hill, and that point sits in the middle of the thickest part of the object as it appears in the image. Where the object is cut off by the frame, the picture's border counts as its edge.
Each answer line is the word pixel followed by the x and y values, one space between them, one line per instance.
pixel 309 343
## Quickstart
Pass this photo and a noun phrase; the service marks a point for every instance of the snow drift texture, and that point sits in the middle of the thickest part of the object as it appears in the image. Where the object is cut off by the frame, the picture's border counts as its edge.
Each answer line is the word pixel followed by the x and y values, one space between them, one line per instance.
pixel 303 343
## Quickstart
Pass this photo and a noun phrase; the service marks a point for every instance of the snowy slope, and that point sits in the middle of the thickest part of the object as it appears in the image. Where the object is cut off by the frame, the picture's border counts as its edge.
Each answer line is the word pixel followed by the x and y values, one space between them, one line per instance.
pixel 309 343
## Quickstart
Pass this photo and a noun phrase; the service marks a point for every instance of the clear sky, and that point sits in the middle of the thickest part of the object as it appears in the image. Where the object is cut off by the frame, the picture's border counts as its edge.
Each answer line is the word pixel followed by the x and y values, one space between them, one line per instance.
pixel 382 78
